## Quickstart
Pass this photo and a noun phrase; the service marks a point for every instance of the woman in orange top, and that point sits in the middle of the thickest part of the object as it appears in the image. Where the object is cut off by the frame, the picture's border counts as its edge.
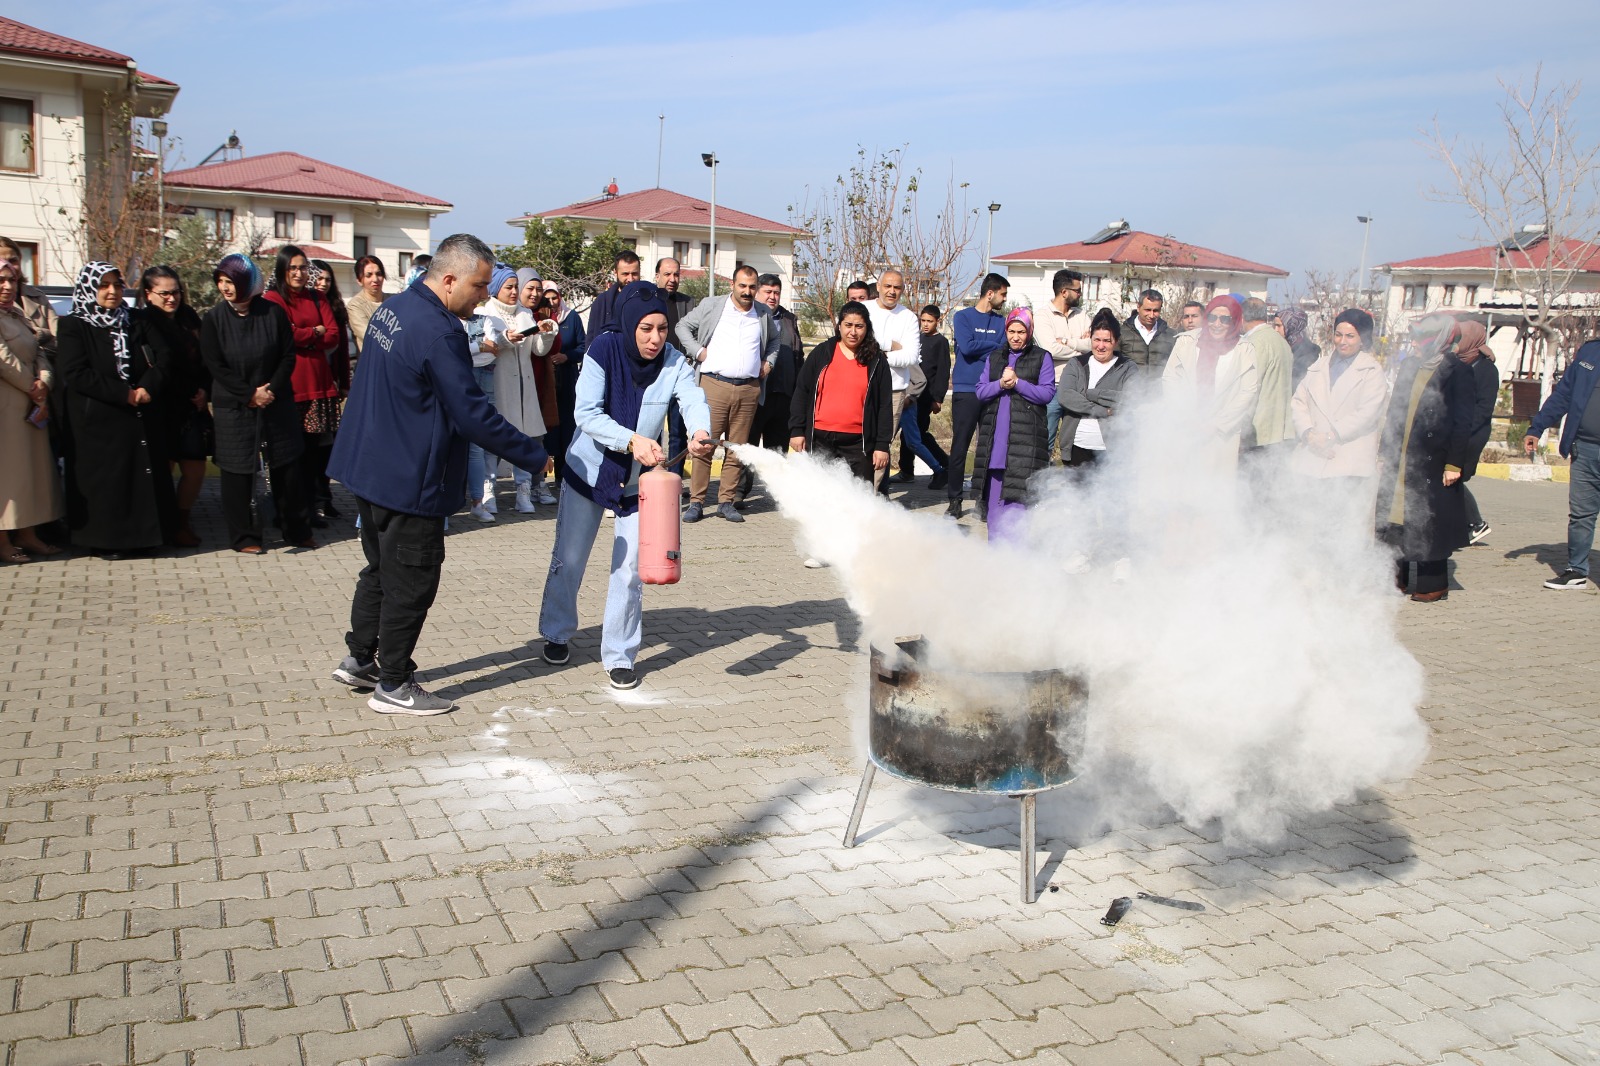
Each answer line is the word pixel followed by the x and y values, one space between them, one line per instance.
pixel 843 404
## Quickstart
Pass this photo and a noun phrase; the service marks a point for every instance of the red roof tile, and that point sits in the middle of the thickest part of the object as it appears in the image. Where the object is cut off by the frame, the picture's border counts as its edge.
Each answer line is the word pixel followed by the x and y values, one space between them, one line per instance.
pixel 292 174
pixel 312 251
pixel 1143 249
pixel 26 40
pixel 1584 255
pixel 664 207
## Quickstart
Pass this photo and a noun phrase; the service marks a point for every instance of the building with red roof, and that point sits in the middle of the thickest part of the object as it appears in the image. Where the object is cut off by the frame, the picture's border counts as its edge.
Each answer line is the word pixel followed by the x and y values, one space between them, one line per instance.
pixel 660 223
pixel 62 102
pixel 1120 262
pixel 259 203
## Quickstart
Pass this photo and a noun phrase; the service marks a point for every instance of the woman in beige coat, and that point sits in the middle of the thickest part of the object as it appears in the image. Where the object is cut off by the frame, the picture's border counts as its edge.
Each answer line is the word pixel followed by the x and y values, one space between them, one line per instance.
pixel 30 491
pixel 1337 411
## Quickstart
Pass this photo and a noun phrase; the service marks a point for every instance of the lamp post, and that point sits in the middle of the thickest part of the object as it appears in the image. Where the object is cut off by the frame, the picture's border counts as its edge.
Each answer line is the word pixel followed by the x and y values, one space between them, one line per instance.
pixel 989 240
pixel 710 160
pixel 1361 276
pixel 159 129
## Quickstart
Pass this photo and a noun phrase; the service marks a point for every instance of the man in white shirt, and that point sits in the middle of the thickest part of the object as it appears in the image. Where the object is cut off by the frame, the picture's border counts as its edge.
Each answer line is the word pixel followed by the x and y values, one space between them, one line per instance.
pixel 1062 328
pixel 735 343
pixel 898 332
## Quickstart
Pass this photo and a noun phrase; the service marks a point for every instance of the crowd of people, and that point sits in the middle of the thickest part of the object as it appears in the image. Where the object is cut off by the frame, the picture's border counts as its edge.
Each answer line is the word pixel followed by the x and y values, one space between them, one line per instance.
pixel 418 403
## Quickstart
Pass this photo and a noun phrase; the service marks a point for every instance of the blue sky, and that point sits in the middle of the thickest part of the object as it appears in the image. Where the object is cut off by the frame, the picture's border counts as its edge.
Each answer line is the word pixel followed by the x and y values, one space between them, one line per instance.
pixel 1260 129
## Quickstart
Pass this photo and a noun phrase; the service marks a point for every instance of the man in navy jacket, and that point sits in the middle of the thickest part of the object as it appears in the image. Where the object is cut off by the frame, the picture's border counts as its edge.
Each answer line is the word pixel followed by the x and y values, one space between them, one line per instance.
pixel 1574 396
pixel 403 453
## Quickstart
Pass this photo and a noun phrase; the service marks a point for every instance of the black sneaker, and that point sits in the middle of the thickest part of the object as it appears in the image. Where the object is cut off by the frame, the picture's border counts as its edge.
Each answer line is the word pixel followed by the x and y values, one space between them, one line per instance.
pixel 409 698
pixel 693 513
pixel 556 654
pixel 939 480
pixel 954 509
pixel 1478 532
pixel 623 677
pixel 357 674
pixel 729 512
pixel 903 476
pixel 1568 580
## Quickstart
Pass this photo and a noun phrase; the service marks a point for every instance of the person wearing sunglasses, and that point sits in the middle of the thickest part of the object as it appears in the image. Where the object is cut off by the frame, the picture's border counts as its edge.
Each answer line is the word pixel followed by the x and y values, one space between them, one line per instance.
pixel 1215 369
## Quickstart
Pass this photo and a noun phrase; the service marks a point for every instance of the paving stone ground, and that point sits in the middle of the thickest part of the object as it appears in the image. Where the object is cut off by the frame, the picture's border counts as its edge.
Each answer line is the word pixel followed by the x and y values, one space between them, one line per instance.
pixel 211 853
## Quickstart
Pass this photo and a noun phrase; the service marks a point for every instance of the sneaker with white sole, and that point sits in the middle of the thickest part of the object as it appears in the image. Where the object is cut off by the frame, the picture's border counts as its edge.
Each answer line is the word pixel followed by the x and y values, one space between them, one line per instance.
pixel 546 497
pixel 623 677
pixel 1567 581
pixel 556 654
pixel 489 503
pixel 356 673
pixel 525 499
pixel 813 563
pixel 409 698
pixel 481 513
pixel 1478 532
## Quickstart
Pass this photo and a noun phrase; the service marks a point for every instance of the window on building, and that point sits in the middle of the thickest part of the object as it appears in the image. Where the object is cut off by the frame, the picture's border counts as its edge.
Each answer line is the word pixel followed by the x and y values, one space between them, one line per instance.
pixel 1415 298
pixel 30 262
pixel 631 242
pixel 361 246
pixel 283 225
pixel 322 227
pixel 219 222
pixel 680 251
pixel 405 264
pixel 16 134
pixel 1091 287
pixel 1208 291
pixel 1472 296
pixel 705 255
pixel 1449 296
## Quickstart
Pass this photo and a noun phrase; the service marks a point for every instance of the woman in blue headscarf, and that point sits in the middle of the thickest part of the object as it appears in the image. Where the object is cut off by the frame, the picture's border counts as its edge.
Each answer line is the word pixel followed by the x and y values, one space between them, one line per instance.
pixel 630 374
pixel 248 345
pixel 119 491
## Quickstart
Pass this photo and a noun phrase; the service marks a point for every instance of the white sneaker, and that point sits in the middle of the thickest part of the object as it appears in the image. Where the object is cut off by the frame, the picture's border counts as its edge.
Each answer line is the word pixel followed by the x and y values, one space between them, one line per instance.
pixel 1078 564
pixel 813 563
pixel 481 513
pixel 488 497
pixel 1121 570
pixel 525 499
pixel 546 497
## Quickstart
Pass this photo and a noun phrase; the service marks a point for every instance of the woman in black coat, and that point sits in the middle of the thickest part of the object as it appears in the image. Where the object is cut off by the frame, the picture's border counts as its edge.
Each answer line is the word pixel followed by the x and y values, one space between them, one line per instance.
pixel 249 348
pixel 119 490
pixel 173 330
pixel 1426 448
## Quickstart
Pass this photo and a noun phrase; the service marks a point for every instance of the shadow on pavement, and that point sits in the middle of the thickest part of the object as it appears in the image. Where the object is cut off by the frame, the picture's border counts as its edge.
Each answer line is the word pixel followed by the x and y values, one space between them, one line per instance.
pixel 1552 555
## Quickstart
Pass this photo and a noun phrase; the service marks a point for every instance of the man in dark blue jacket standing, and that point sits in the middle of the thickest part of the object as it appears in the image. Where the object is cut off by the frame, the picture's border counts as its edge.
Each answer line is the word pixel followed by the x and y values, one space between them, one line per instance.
pixel 403 454
pixel 1577 396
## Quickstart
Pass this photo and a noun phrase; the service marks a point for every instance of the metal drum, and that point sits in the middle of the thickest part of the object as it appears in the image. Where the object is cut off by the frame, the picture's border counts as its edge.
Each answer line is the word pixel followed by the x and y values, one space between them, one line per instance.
pixel 992 732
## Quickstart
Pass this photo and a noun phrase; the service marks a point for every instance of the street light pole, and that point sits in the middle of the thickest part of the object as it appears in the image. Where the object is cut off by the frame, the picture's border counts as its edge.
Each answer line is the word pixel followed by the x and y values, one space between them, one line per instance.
pixel 988 241
pixel 159 129
pixel 1361 276
pixel 710 160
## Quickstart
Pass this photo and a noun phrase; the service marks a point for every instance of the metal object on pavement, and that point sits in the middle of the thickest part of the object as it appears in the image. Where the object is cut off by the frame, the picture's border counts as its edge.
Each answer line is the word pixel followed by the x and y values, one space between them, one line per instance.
pixel 1118 908
pixel 1168 901
pixel 989 732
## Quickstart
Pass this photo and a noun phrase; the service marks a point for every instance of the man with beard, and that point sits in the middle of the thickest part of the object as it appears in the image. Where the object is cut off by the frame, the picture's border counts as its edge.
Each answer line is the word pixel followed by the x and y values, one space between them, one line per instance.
pixel 772 419
pixel 1062 329
pixel 669 275
pixel 627 270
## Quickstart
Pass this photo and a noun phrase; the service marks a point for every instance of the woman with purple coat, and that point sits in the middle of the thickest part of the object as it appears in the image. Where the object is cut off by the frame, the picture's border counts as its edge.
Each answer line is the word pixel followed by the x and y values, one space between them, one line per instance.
pixel 1015 388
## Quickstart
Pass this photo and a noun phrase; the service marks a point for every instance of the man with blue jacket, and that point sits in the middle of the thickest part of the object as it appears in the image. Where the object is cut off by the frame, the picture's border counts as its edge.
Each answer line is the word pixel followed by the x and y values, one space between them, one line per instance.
pixel 1575 397
pixel 979 330
pixel 403 453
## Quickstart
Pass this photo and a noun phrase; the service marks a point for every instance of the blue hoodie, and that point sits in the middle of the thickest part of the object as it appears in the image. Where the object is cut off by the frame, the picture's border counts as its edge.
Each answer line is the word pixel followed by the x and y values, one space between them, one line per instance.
pixel 412 410
pixel 1570 397
pixel 977 335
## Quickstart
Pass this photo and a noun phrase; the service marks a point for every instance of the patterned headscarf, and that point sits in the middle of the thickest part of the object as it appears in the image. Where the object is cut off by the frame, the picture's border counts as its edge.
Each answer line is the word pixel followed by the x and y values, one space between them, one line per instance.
pixel 85 308
pixel 1023 315
pixel 1294 325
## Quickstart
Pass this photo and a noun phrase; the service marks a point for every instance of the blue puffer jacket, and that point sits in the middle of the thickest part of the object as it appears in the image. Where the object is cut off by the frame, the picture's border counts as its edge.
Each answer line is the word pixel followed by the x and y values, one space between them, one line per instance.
pixel 1570 397
pixel 403 442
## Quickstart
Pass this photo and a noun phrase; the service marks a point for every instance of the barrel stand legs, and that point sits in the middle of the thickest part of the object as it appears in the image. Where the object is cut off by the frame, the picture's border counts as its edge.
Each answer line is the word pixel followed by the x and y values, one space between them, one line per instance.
pixel 1025 841
pixel 861 804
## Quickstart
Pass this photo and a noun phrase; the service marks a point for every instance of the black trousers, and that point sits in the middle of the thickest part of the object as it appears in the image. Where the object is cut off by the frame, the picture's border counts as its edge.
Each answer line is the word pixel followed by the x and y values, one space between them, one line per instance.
pixel 1474 516
pixel 405 555
pixel 964 409
pixel 1432 575
pixel 846 446
pixel 677 436
pixel 772 423
pixel 924 419
pixel 238 505
pixel 317 487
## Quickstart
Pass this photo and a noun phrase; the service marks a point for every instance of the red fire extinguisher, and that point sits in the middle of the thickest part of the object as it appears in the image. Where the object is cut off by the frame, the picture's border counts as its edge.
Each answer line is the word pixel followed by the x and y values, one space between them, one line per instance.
pixel 660 529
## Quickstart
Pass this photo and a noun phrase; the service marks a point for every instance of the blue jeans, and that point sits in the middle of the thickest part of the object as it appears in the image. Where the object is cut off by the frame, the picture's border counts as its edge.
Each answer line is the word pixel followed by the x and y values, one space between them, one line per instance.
pixel 911 434
pixel 1052 422
pixel 479 464
pixel 577 525
pixel 1583 501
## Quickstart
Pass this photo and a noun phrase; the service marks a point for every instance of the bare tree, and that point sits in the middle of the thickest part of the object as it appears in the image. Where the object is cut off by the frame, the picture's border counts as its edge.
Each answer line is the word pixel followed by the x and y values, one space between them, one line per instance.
pixel 1536 196
pixel 871 218
pixel 1324 294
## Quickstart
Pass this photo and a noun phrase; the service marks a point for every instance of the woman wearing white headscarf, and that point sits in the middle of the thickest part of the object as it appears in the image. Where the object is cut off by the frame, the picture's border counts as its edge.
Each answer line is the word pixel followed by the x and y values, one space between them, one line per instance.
pixel 510 332
pixel 119 491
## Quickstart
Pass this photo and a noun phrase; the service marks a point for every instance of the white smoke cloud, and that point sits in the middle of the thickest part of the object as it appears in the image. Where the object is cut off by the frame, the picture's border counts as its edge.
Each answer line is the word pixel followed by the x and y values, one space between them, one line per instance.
pixel 1243 665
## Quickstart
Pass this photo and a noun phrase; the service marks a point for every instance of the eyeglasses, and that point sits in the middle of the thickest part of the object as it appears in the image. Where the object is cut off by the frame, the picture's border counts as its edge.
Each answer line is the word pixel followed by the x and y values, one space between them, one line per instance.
pixel 1219 318
pixel 163 294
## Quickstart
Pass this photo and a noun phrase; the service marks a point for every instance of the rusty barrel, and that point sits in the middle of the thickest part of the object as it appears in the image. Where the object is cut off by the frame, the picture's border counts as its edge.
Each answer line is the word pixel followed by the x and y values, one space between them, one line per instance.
pixel 973 730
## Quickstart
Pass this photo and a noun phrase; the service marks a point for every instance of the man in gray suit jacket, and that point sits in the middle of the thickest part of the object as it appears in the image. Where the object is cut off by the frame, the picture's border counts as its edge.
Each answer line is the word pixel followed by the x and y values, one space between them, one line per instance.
pixel 735 342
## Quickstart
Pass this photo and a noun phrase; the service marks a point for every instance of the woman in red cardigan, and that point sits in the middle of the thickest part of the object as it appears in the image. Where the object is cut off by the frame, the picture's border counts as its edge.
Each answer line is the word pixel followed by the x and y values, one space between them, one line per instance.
pixel 321 367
